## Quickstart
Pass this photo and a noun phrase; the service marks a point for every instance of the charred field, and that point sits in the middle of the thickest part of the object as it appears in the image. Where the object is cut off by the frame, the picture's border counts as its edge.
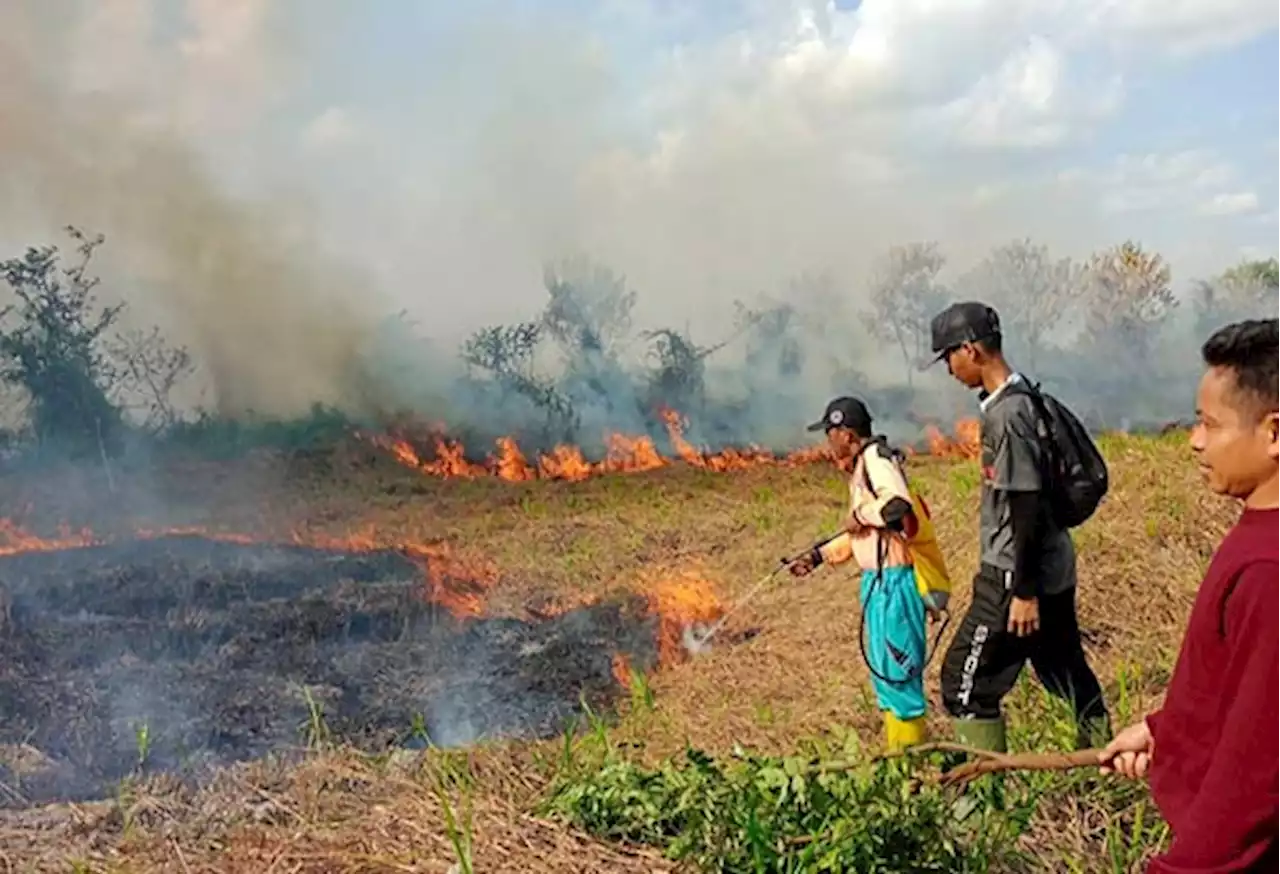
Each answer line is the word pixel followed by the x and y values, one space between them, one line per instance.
pixel 179 653
pixel 274 662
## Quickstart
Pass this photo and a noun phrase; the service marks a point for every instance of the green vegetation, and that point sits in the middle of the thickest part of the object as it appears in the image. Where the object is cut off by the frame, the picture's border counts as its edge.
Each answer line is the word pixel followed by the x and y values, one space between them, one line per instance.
pixel 832 805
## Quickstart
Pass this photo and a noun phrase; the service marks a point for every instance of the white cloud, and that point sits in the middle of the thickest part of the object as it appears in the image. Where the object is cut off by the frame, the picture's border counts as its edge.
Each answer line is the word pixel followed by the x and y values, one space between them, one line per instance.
pixel 1181 27
pixel 1030 102
pixel 1234 203
pixel 1196 167
pixel 992 74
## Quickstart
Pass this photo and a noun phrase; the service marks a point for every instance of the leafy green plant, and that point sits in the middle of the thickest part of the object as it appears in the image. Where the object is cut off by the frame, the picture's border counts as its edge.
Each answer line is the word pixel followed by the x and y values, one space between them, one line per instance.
pixel 804 813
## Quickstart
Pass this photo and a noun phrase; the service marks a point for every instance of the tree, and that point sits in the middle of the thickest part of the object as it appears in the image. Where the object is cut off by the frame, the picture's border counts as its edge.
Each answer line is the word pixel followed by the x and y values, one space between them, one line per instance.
pixel 1126 297
pixel 1261 275
pixel 57 346
pixel 677 379
pixel 506 353
pixel 1251 288
pixel 590 307
pixel 905 295
pixel 589 319
pixel 50 347
pixel 1029 289
pixel 147 369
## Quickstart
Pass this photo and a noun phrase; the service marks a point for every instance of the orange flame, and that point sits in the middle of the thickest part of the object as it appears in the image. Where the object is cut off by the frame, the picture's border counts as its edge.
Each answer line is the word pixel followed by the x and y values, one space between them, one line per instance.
pixel 624 454
pixel 632 454
pixel 678 602
pixel 967 442
pixel 622 670
pixel 15 539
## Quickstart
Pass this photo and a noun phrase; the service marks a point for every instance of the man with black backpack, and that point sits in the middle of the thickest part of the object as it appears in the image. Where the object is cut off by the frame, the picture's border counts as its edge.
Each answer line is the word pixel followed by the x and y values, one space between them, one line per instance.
pixel 1041 475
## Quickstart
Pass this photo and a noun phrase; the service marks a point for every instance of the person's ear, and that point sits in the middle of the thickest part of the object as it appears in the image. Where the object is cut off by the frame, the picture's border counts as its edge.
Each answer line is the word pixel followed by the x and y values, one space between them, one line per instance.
pixel 1271 430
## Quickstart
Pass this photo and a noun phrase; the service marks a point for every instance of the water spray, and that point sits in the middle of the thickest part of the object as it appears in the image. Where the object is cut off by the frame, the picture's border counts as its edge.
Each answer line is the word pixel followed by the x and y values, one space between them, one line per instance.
pixel 697 637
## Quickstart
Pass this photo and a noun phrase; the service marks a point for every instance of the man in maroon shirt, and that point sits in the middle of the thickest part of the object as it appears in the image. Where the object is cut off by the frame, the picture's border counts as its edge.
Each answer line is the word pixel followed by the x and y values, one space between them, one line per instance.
pixel 1211 751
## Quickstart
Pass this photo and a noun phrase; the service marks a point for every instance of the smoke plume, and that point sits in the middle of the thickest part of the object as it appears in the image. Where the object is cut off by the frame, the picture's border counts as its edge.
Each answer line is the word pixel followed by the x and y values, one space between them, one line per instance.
pixel 276 178
pixel 271 319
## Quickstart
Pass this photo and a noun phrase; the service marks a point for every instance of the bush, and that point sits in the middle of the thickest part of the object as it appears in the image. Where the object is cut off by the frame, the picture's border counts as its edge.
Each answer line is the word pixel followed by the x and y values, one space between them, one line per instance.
pixel 804 813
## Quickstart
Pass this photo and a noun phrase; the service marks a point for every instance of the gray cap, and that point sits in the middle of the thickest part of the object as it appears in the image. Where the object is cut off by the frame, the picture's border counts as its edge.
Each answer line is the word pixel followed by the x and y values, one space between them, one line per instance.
pixel 960 323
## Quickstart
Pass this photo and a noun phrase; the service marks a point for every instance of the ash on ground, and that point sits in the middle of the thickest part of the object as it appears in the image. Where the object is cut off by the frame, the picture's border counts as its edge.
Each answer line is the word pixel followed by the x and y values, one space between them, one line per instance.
pixel 182 654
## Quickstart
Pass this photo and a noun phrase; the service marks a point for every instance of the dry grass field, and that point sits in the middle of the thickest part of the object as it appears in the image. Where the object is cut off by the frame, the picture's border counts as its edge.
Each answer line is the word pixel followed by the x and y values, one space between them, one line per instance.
pixel 667 544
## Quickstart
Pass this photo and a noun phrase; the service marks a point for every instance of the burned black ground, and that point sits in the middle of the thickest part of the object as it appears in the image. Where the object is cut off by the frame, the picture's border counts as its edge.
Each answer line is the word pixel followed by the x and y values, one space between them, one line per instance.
pixel 183 654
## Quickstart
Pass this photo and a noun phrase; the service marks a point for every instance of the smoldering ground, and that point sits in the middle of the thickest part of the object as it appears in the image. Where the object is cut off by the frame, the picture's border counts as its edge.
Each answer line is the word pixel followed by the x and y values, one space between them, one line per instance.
pixel 181 654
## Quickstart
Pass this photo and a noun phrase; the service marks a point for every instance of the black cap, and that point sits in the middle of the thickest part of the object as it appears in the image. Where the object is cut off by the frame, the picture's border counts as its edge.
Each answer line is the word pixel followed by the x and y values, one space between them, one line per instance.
pixel 845 412
pixel 960 323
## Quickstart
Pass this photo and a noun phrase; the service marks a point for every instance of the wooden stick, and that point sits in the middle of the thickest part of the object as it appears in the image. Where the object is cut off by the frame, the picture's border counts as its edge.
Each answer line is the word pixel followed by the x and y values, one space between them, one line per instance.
pixel 942 746
pixel 988 762
pixel 961 775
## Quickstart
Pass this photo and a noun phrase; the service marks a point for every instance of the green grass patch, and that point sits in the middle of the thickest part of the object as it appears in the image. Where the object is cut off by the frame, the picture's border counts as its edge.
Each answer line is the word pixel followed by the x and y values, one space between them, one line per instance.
pixel 816 811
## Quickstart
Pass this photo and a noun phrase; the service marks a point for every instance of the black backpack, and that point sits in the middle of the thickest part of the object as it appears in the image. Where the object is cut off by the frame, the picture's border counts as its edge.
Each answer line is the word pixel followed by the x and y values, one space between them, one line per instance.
pixel 1076 474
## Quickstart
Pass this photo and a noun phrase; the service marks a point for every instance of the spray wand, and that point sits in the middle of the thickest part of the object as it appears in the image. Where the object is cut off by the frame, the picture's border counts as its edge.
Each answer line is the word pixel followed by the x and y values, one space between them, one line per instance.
pixel 696 643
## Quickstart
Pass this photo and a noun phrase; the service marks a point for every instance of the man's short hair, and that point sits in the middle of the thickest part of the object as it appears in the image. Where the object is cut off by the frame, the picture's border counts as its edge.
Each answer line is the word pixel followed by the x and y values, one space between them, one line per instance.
pixel 992 343
pixel 1250 350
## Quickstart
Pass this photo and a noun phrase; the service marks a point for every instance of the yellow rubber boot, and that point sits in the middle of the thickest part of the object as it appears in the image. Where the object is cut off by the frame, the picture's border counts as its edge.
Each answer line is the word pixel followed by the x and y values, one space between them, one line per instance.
pixel 903 733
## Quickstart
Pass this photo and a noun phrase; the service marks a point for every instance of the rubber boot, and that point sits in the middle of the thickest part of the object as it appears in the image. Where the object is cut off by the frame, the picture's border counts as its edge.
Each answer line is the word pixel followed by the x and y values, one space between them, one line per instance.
pixel 1093 733
pixel 982 734
pixel 902 733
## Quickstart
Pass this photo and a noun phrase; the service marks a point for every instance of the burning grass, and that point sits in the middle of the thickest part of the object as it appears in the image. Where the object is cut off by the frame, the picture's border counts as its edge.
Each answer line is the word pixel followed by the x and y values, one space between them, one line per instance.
pixel 432 453
pixel 786 668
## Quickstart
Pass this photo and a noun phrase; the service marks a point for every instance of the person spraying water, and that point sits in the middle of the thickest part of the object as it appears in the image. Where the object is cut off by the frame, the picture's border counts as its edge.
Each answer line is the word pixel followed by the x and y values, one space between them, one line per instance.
pixel 889 533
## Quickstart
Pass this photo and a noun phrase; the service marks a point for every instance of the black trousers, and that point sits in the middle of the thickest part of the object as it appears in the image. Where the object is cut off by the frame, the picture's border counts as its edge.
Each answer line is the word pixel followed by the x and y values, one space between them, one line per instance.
pixel 984 658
